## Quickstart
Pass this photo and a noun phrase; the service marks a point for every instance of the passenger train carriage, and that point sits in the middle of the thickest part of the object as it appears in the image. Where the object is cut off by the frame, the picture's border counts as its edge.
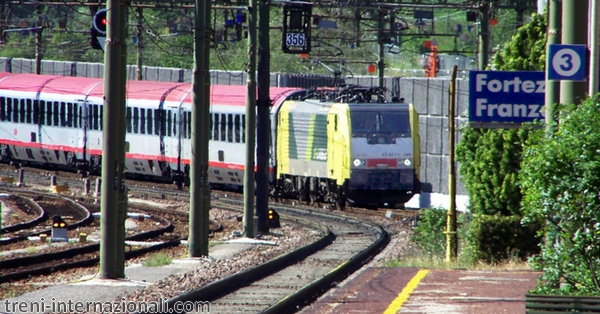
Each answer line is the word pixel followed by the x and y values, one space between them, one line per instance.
pixel 321 150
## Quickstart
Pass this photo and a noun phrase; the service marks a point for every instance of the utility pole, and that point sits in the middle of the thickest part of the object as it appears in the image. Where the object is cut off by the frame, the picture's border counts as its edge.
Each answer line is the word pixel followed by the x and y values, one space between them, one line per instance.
pixel 484 35
pixel 248 219
pixel 552 87
pixel 140 18
pixel 574 31
pixel 111 224
pixel 451 236
pixel 264 119
pixel 122 192
pixel 38 40
pixel 199 187
pixel 380 63
pixel 594 49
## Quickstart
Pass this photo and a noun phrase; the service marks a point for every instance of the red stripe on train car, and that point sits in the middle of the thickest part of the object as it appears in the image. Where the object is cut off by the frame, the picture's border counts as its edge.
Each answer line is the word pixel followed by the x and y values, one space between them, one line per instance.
pixel 66 148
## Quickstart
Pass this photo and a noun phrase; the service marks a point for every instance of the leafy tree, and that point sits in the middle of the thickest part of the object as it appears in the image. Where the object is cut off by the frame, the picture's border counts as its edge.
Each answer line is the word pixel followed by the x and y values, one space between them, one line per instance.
pixel 560 178
pixel 490 158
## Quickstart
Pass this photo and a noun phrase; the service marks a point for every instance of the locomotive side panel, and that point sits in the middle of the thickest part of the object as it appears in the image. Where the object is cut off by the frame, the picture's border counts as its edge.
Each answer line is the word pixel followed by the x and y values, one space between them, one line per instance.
pixel 339 146
pixel 302 140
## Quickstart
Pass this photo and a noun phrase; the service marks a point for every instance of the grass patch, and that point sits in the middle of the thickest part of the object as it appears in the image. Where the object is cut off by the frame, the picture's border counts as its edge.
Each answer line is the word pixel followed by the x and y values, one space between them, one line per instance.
pixel 214 243
pixel 158 259
pixel 439 262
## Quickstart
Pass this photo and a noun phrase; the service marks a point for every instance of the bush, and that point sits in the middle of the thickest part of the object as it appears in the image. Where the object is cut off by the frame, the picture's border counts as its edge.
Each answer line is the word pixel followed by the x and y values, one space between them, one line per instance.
pixel 494 238
pixel 429 233
pixel 560 179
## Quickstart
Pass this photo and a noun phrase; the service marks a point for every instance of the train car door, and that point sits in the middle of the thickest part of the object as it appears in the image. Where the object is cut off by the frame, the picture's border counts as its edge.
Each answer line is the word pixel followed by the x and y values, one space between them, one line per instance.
pixel 171 140
pixel 81 126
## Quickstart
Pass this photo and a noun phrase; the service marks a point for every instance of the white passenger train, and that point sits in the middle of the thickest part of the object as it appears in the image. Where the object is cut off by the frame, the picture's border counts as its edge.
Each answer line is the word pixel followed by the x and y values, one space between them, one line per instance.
pixel 57 121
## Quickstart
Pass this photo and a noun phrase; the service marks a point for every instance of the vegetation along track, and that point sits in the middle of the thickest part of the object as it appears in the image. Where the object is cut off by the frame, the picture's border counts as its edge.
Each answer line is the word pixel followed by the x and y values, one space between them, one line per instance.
pixel 293 280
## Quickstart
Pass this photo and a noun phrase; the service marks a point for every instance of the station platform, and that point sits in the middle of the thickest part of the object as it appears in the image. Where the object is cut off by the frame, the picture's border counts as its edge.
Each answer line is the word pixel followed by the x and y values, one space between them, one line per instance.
pixel 428 291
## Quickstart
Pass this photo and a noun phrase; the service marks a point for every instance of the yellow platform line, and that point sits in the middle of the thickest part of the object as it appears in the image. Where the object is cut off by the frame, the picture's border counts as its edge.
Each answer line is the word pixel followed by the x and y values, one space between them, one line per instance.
pixel 403 296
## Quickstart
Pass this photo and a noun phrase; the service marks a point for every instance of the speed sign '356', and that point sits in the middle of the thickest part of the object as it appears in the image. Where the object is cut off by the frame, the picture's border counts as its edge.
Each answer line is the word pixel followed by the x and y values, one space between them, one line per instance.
pixel 295 39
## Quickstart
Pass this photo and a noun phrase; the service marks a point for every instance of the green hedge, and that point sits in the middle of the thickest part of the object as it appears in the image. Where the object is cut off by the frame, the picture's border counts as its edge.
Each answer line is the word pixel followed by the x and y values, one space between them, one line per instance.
pixel 494 238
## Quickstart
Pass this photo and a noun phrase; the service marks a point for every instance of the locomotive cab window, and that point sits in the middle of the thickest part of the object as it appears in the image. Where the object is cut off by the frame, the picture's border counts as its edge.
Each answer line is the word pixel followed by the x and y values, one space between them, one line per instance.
pixel 368 123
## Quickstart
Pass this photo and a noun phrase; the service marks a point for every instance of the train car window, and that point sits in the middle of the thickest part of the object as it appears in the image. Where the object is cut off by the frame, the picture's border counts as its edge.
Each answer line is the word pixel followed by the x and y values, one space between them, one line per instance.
pixel 230 128
pixel 243 128
pixel 174 123
pixel 216 127
pixel 56 112
pixel 142 121
pixel 223 127
pixel 15 110
pixel 184 126
pixel 95 118
pixel 49 113
pixel 42 112
pixel 81 116
pixel 189 124
pixel 136 119
pixel 22 110
pixel 74 117
pixel 29 110
pixel 101 116
pixel 163 122
pixel 238 135
pixel 150 121
pixel 128 120
pixel 90 116
pixel 8 109
pixel 69 114
pixel 169 122
pixel 36 111
pixel 2 108
pixel 63 114
pixel 156 121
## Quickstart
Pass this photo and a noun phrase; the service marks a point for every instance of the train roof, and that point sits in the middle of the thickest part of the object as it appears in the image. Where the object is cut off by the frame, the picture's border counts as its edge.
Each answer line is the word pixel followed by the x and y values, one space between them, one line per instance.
pixel 142 90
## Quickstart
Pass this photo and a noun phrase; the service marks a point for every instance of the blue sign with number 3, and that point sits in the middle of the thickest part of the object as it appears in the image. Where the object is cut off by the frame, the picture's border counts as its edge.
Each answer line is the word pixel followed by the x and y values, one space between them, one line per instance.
pixel 567 62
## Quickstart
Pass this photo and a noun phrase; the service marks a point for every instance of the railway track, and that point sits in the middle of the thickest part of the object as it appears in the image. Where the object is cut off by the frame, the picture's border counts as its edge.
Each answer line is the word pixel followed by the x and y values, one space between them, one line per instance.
pixel 293 280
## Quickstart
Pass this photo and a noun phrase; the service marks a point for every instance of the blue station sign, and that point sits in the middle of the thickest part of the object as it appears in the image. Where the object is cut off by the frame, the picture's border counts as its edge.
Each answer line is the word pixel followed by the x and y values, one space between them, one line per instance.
pixel 506 96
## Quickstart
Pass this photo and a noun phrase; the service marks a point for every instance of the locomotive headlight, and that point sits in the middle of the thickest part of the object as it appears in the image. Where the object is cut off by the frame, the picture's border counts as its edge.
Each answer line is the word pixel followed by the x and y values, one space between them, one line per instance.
pixel 359 162
pixel 406 162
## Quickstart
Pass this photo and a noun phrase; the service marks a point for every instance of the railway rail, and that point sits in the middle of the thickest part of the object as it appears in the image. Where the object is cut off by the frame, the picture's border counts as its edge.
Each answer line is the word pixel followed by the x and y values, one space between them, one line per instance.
pixel 291 281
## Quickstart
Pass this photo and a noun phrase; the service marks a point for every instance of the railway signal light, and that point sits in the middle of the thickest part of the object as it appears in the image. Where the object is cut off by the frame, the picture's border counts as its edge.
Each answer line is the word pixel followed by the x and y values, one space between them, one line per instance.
pixel 98 30
pixel 273 219
pixel 58 222
pixel 59 229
